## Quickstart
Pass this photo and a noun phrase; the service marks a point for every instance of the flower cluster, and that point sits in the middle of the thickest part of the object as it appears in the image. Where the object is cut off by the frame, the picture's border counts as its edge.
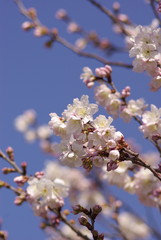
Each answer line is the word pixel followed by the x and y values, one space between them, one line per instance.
pixel 147 52
pixel 45 194
pixel 27 124
pixel 151 126
pixel 108 99
pixel 140 181
pixel 85 141
pixel 113 101
pixel 82 190
pixel 139 230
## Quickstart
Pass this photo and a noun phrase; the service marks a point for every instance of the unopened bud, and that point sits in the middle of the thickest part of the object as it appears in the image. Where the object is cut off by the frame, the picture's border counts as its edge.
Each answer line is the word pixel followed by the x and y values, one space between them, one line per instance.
pixel 10 153
pixel 73 27
pixel 96 210
pixel 104 44
pixel 41 31
pixel 61 14
pixel 20 199
pixel 8 170
pixel 93 36
pixel 21 180
pixel 123 18
pixel 116 6
pixel 27 26
pixel 39 175
pixel 79 209
pixel 32 13
pixel 83 220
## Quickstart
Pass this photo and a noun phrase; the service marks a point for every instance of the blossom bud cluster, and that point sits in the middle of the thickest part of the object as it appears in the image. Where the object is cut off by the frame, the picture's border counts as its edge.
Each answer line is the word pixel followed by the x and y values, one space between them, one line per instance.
pixel 44 194
pixel 27 124
pixel 85 141
pixel 82 190
pixel 112 100
pixel 147 52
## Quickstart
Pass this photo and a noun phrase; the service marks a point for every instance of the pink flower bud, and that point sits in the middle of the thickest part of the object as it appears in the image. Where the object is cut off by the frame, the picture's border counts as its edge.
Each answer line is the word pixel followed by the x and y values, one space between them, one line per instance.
pixel 20 180
pixel 61 14
pixel 123 18
pixel 116 6
pixel 73 27
pixel 27 26
pixel 40 31
pixel 39 175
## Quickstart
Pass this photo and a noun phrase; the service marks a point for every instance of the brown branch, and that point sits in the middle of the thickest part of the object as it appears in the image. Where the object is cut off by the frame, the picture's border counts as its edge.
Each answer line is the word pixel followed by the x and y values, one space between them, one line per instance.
pixel 134 158
pixel 90 55
pixel 67 44
pixel 12 163
pixel 110 15
pixel 64 220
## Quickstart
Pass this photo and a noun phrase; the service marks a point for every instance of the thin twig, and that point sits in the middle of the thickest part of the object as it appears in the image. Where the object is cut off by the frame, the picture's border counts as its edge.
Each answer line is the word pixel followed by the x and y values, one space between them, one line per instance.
pixel 14 165
pixel 64 220
pixel 90 55
pixel 110 15
pixel 134 158
pixel 67 44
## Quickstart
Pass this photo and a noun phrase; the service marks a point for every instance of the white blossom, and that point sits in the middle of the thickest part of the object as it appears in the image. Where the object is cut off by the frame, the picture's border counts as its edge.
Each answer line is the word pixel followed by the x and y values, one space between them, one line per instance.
pixel 44 193
pixel 80 110
pixel 132 227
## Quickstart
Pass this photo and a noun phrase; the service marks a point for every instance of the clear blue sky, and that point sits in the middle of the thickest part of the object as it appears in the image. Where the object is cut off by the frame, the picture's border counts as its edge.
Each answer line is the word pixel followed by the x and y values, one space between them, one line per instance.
pixel 47 80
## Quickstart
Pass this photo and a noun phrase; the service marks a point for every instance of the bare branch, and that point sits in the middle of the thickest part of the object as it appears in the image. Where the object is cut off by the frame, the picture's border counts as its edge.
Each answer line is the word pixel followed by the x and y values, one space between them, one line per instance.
pixel 90 55
pixel 2 155
pixel 110 15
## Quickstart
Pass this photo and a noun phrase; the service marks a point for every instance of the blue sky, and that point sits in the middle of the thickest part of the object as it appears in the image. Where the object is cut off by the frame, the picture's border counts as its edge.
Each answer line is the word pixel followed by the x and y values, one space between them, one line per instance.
pixel 48 79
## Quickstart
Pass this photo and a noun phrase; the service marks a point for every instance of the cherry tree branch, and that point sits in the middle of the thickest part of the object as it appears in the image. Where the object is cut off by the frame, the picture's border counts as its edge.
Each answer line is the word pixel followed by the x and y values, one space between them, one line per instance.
pixel 90 55
pixel 129 155
pixel 12 163
pixel 110 15
pixel 64 220
pixel 67 44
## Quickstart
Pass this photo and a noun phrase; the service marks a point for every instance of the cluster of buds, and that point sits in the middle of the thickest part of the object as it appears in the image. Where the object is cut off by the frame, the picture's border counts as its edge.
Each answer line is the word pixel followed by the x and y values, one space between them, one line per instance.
pixel 104 72
pixel 88 218
pixel 72 27
pixel 100 73
pixel 86 37
pixel 107 96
